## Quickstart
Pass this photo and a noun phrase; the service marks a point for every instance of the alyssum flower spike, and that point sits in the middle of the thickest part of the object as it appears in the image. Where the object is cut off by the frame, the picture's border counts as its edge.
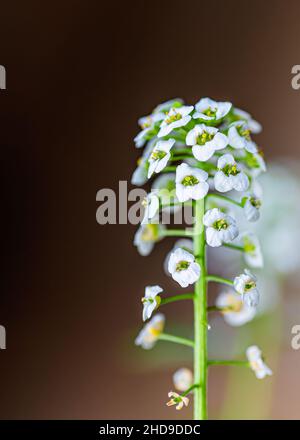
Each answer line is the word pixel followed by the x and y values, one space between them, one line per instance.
pixel 205 154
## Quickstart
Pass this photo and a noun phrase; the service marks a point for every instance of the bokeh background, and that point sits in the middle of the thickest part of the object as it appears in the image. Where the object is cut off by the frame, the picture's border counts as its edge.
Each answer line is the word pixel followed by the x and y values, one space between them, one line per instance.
pixel 79 74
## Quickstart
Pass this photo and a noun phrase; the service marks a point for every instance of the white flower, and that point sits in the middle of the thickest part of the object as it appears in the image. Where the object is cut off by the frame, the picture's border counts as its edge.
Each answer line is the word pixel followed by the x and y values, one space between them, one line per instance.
pixel 149 130
pixel 239 137
pixel 190 183
pixel 165 187
pixel 175 118
pixel 151 332
pixel 177 400
pixel 257 364
pixel 140 174
pixel 252 250
pixel 151 205
pixel 220 228
pixel 183 268
pixel 151 301
pixel 229 175
pixel 254 126
pixel 237 313
pixel 255 162
pixel 209 110
pixel 166 106
pixel 185 243
pixel 150 120
pixel 146 236
pixel 205 141
pixel 252 207
pixel 245 284
pixel 159 157
pixel 183 379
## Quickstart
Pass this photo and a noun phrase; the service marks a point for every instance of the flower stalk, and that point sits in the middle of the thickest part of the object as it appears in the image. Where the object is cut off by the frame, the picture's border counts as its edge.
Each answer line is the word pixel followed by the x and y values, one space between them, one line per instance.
pixel 197 153
pixel 200 317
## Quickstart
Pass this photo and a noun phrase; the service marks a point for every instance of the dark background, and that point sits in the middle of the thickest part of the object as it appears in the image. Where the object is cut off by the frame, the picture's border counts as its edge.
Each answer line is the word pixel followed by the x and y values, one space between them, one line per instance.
pixel 79 74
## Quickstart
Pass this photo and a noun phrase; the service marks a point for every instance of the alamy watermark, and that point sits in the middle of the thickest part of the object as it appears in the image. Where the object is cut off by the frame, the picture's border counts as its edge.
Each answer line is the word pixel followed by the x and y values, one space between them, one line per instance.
pixel 2 77
pixel 130 207
pixel 295 82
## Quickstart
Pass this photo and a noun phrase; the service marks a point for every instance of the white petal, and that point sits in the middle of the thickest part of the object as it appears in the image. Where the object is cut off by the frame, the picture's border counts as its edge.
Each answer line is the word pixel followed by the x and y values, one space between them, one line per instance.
pixel 203 152
pixel 240 182
pixel 226 159
pixel 222 182
pixel 213 237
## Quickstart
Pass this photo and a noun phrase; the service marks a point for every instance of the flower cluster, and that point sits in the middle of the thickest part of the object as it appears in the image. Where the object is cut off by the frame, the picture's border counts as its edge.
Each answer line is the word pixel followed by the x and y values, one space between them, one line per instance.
pixel 205 155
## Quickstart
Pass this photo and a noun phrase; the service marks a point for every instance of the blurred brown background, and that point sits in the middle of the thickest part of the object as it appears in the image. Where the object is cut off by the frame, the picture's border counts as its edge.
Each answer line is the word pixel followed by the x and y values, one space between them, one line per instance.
pixel 79 74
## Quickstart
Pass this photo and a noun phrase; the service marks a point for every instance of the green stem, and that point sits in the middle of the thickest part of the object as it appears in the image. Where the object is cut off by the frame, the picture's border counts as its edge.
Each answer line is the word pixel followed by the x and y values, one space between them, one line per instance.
pixel 176 339
pixel 185 393
pixel 169 169
pixel 176 233
pixel 174 298
pixel 183 151
pixel 228 362
pixel 234 246
pixel 181 157
pixel 219 309
pixel 200 317
pixel 226 199
pixel 218 279
pixel 168 205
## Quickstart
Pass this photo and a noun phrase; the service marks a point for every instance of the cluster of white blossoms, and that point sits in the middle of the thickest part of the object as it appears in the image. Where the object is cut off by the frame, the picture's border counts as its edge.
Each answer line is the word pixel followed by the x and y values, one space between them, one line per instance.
pixel 202 151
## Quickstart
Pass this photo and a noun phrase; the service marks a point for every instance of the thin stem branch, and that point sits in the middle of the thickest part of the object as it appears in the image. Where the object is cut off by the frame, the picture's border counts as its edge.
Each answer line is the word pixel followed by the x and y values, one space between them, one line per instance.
pixel 234 246
pixel 218 279
pixel 183 151
pixel 180 157
pixel 225 198
pixel 185 393
pixel 168 205
pixel 219 309
pixel 228 362
pixel 169 169
pixel 176 339
pixel 175 298
pixel 176 233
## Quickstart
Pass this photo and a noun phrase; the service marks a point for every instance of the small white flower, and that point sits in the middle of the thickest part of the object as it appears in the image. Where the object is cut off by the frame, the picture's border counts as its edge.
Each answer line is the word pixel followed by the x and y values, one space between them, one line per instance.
pixel 150 120
pixel 151 301
pixel 183 268
pixel 185 243
pixel 151 205
pixel 175 118
pixel 252 208
pixel 257 364
pixel 177 399
pixel 239 137
pixel 229 175
pixel 237 313
pixel 165 187
pixel 252 250
pixel 190 183
pixel 166 106
pixel 205 141
pixel 255 162
pixel 140 174
pixel 159 157
pixel 146 236
pixel 254 126
pixel 147 123
pixel 220 228
pixel 183 379
pixel 245 284
pixel 209 110
pixel 151 331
